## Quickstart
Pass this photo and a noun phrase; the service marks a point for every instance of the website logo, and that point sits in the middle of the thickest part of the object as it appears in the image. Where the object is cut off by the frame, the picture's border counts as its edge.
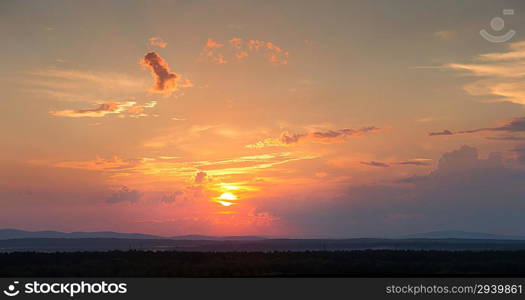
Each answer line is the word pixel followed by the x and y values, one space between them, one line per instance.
pixel 497 24
pixel 68 288
pixel 12 290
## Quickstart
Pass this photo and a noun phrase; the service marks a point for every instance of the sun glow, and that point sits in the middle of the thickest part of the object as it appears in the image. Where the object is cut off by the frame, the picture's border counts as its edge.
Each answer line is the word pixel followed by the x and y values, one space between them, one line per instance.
pixel 227 196
pixel 225 199
pixel 225 203
pixel 230 187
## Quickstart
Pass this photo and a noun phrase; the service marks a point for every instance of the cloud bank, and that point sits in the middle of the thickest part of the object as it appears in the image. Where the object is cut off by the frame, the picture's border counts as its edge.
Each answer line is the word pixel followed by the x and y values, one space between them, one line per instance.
pixel 465 192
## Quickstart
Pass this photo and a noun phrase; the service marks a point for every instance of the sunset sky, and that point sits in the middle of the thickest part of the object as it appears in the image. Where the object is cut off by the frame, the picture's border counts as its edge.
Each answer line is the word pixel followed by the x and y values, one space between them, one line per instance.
pixel 274 118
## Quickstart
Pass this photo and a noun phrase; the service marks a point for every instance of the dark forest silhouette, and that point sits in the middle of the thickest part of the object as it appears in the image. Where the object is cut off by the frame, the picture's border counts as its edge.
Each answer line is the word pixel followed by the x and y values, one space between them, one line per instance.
pixel 135 263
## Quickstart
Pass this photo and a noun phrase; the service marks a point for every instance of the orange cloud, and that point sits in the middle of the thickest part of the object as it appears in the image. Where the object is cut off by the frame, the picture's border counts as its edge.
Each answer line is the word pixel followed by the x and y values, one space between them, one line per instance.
pixel 211 44
pixel 157 41
pixel 240 49
pixel 137 111
pixel 330 136
pixel 107 108
pixel 276 54
pixel 209 52
pixel 101 164
pixel 186 84
pixel 165 80
pixel 102 110
pixel 238 45
pixel 165 171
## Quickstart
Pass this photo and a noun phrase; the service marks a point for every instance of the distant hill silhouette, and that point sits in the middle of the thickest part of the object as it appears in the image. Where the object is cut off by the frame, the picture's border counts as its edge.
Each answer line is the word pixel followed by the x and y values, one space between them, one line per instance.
pixel 458 234
pixel 10 233
pixel 195 237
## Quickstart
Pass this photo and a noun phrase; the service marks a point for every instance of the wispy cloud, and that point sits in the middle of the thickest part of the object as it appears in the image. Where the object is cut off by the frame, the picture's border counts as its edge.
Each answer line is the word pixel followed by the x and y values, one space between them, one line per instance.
pixel 173 170
pixel 413 162
pixel 330 136
pixel 157 41
pixel 502 74
pixel 79 85
pixel 445 34
pixel 107 108
pixel 99 164
pixel 516 52
pixel 426 119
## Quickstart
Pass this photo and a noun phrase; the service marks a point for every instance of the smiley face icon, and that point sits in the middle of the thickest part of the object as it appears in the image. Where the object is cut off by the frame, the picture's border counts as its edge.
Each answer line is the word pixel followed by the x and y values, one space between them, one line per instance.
pixel 11 290
pixel 497 24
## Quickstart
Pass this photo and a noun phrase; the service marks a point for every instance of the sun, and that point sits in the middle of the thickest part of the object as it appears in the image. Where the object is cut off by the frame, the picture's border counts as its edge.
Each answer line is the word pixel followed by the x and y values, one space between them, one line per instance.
pixel 225 199
pixel 227 196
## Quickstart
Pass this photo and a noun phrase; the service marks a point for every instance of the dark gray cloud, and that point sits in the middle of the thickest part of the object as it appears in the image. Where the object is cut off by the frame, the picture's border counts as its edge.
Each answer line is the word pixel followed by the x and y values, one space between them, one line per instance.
pixel 506 138
pixel 125 195
pixel 401 163
pixel 444 132
pixel 199 178
pixel 513 126
pixel 520 153
pixel 287 138
pixel 413 163
pixel 375 164
pixel 329 136
pixel 185 195
pixel 171 197
pixel 165 80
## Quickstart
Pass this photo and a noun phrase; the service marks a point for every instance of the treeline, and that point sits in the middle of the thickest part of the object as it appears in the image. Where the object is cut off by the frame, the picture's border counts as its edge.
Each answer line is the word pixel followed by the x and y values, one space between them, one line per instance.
pixel 232 264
